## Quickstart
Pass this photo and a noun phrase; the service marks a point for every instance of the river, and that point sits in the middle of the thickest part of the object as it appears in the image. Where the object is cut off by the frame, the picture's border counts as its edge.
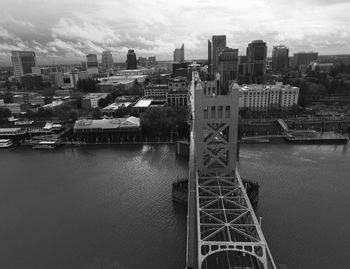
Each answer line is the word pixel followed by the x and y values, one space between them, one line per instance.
pixel 110 206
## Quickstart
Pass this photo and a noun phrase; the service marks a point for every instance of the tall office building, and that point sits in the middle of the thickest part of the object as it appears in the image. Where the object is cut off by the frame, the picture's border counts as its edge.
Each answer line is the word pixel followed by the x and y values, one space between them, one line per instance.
pixel 256 60
pixel 209 58
pixel 303 59
pixel 107 60
pixel 131 60
pixel 179 54
pixel 23 61
pixel 280 58
pixel 218 44
pixel 56 77
pixel 92 63
pixel 228 66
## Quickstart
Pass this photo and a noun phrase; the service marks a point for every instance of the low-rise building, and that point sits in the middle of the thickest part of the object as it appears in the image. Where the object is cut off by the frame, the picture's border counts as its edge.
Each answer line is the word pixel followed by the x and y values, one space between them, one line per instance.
pixel 177 83
pixel 111 109
pixel 13 107
pixel 31 81
pixel 54 104
pixel 91 100
pixel 37 127
pixel 18 98
pixel 264 98
pixel 12 133
pixel 156 90
pixel 178 98
pixel 321 67
pixel 145 103
pixel 36 99
pixel 117 130
pixel 122 85
pixel 33 99
pixel 134 72
pixel 177 92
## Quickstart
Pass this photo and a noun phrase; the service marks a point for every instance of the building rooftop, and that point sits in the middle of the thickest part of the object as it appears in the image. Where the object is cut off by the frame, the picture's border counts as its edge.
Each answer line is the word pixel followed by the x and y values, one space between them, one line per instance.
pixel 157 86
pixel 262 87
pixel 96 95
pixel 115 106
pixel 130 122
pixel 143 103
pixel 10 129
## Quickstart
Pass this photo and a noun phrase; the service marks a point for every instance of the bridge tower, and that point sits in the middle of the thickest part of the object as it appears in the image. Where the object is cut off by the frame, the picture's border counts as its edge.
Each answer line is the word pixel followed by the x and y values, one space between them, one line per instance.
pixel 227 232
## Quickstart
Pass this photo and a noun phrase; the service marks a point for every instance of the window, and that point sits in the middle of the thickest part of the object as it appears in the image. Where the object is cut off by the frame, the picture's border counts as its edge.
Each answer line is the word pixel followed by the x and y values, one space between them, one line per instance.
pixel 212 112
pixel 206 112
pixel 220 112
pixel 227 112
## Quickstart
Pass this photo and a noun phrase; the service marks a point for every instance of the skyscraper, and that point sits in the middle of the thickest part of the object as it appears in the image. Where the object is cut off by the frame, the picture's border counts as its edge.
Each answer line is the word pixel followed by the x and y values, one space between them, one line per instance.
pixel 92 63
pixel 209 58
pixel 107 60
pixel 256 60
pixel 23 61
pixel 303 59
pixel 179 54
pixel 280 58
pixel 227 67
pixel 218 44
pixel 131 60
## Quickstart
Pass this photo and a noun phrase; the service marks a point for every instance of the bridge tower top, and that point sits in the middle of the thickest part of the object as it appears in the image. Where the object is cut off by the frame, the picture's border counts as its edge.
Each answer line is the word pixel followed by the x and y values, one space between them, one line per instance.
pixel 215 125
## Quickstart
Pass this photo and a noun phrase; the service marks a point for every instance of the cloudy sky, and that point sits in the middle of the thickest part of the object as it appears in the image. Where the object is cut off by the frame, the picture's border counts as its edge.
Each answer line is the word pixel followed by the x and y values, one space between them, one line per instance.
pixel 67 30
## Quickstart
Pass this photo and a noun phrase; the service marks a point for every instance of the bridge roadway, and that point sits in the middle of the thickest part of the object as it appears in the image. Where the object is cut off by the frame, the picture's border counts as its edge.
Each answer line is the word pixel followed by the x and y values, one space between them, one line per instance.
pixel 192 254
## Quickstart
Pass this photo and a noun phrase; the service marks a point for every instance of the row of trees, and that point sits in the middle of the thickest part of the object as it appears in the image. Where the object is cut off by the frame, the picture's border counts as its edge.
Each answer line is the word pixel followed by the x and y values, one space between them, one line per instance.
pixel 163 121
pixel 6 96
pixel 65 112
pixel 87 85
pixel 317 84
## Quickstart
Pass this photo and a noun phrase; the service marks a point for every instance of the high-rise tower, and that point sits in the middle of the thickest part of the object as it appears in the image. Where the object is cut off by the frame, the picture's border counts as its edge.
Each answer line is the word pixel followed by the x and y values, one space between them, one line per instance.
pixel 179 54
pixel 23 61
pixel 280 58
pixel 209 57
pixel 256 59
pixel 92 63
pixel 228 66
pixel 131 60
pixel 218 44
pixel 107 60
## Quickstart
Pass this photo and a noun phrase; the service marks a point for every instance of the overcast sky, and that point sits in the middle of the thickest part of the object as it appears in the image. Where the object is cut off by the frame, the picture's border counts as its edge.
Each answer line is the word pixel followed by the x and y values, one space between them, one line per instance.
pixel 67 30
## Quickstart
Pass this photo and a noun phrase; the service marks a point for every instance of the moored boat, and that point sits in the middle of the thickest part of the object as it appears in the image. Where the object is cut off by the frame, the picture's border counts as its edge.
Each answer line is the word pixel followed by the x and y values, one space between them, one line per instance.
pixel 45 145
pixel 5 143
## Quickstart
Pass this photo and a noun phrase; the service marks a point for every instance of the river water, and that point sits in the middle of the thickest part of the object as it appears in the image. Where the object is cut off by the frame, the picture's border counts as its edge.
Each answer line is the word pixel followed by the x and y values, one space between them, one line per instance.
pixel 110 206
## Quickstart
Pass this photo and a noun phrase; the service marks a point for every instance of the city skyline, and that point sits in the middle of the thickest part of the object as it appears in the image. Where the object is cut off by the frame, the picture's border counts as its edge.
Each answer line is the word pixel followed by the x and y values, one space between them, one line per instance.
pixel 69 30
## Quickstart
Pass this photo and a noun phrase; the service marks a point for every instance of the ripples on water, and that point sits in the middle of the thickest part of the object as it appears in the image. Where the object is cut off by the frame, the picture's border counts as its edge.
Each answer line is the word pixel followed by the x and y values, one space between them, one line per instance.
pixel 110 207
pixel 304 200
pixel 91 207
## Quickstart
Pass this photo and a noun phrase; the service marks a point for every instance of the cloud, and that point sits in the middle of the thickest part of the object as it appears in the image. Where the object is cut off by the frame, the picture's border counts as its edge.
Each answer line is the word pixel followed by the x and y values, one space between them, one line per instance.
pixel 71 29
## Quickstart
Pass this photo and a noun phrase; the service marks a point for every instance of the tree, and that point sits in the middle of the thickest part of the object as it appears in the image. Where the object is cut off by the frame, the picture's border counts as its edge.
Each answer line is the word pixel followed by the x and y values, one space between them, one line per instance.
pixel 44 113
pixel 7 97
pixel 48 92
pixel 87 85
pixel 134 112
pixel 4 112
pixel 96 113
pixel 103 102
pixel 73 115
pixel 160 121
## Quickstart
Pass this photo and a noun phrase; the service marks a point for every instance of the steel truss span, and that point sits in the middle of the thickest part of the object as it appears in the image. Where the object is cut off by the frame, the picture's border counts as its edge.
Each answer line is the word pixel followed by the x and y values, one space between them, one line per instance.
pixel 227 226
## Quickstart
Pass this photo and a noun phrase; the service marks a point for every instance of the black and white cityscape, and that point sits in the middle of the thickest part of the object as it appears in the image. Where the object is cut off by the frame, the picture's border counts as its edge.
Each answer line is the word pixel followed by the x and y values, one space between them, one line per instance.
pixel 194 134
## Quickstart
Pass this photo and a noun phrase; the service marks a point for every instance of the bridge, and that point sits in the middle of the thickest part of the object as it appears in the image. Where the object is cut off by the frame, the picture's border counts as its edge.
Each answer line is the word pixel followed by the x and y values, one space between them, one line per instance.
pixel 222 228
pixel 283 125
